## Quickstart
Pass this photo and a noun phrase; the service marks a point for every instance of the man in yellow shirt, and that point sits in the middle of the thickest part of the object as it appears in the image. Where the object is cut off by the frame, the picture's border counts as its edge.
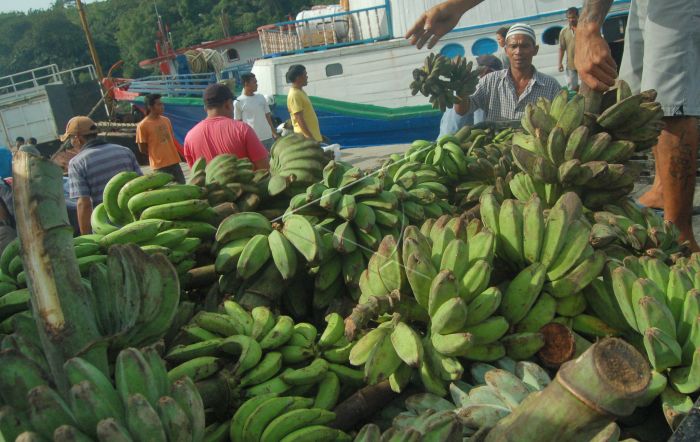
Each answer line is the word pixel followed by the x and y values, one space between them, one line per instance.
pixel 301 111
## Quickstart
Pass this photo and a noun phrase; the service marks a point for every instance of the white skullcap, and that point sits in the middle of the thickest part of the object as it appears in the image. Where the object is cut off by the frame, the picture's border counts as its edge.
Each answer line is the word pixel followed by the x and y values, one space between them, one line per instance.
pixel 521 29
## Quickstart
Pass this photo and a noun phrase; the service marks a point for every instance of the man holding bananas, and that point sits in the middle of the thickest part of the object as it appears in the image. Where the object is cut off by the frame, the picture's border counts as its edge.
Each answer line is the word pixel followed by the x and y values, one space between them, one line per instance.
pixel 662 52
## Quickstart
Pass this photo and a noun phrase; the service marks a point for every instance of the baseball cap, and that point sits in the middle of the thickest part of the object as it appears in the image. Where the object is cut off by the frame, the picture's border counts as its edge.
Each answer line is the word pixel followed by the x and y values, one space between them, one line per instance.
pixel 216 94
pixel 79 126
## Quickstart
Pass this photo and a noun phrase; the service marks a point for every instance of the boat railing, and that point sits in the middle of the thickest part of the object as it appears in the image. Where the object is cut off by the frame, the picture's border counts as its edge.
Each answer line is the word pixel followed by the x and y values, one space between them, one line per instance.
pixel 182 85
pixel 44 75
pixel 366 25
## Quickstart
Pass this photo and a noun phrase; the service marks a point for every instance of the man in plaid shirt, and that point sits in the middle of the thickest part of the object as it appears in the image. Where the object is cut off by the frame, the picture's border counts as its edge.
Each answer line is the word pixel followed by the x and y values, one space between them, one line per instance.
pixel 503 95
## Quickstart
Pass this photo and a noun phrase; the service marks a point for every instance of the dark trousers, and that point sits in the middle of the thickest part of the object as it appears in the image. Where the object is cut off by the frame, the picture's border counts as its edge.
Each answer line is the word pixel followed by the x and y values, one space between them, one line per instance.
pixel 175 170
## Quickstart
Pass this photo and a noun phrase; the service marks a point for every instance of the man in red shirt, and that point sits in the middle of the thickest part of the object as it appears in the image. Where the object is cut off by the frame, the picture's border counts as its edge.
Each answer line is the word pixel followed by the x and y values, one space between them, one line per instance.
pixel 220 134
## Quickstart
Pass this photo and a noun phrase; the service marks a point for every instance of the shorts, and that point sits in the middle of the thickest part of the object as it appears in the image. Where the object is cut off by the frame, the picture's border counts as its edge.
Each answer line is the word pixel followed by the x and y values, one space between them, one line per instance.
pixel 175 170
pixel 662 52
pixel 268 143
pixel 572 79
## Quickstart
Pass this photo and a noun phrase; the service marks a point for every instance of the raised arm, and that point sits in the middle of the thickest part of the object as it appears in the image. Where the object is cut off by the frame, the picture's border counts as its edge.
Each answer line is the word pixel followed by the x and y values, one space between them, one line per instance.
pixel 438 21
pixel 593 60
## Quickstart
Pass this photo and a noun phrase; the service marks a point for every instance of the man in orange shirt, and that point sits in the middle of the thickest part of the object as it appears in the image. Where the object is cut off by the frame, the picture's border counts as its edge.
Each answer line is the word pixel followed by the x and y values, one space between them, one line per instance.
pixel 154 135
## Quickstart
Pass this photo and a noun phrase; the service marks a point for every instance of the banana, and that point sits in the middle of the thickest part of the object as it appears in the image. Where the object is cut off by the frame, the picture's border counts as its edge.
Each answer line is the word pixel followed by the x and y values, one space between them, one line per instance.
pixel 283 254
pixel 112 430
pixel 453 344
pixel 481 247
pixel 244 412
pixel 483 306
pixel 173 211
pixel 510 224
pixel 303 236
pixel 542 312
pixel 165 195
pixel 240 316
pixel 47 411
pixel 254 256
pixel 110 197
pixel 311 374
pixel 317 433
pixel 687 379
pixel 217 323
pixel 488 331
pixel 443 287
pixel 186 395
pixel 407 344
pixel 139 185
pixel 88 408
pixel 450 317
pixel 100 221
pixel 242 225
pixel 533 229
pixel 279 334
pixel 263 415
pixel 490 213
pixel 522 293
pixel 335 329
pixel 78 370
pixel 197 368
pixel 567 208
pixel 382 360
pixel 662 350
pixel 294 420
pixel 363 347
pixel 649 312
pixel 268 367
pixel 182 353
pixel 579 277
pixel 143 421
pixel 245 348
pixel 575 249
pixel 169 238
pixel 619 113
pixel 133 375
pixel 175 420
pixel 137 232
pixel 475 280
pixel 524 345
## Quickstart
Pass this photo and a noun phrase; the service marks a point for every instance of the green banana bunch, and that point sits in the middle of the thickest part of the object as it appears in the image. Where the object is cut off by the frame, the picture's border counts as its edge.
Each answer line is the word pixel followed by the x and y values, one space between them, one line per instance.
pixel 230 185
pixel 135 296
pixel 445 81
pixel 295 163
pixel 563 147
pixel 627 229
pixel 493 393
pixel 273 418
pixel 140 405
pixel 241 355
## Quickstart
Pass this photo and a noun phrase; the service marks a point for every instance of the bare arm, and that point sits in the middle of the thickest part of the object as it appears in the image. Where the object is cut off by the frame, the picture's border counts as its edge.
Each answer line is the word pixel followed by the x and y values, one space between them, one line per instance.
pixel 593 60
pixel 561 59
pixel 84 210
pixel 261 164
pixel 438 21
pixel 463 107
pixel 272 125
pixel 299 117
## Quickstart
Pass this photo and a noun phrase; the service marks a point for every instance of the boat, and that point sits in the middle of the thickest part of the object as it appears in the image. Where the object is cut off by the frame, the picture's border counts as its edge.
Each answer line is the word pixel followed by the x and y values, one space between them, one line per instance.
pixel 360 65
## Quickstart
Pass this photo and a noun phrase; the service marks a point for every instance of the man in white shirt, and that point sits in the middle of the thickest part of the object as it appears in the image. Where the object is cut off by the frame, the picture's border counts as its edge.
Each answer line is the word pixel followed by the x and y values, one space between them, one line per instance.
pixel 253 109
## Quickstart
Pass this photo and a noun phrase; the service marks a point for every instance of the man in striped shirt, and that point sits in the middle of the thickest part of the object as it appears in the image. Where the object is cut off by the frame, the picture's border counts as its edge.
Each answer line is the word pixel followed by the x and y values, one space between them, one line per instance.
pixel 91 169
pixel 503 95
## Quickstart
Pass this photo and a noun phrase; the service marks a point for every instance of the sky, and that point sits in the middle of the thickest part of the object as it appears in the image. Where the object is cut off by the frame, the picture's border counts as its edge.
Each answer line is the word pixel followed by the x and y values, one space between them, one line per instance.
pixel 26 5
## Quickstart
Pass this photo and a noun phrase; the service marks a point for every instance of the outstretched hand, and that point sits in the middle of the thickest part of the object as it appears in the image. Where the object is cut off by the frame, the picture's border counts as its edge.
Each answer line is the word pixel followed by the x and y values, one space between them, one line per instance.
pixel 438 21
pixel 593 60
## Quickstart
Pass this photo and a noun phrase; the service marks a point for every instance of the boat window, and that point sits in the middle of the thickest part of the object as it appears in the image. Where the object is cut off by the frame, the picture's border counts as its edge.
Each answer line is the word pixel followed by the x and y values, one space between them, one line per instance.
pixel 550 36
pixel 452 50
pixel 334 69
pixel 232 54
pixel 484 46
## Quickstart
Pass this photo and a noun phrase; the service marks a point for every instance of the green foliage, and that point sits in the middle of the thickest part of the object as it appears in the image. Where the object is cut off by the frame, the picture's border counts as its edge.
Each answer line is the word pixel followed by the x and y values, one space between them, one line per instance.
pixel 126 29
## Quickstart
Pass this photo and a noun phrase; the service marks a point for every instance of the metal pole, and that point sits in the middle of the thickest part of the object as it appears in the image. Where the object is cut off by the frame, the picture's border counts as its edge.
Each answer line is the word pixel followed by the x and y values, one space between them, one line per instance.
pixel 88 36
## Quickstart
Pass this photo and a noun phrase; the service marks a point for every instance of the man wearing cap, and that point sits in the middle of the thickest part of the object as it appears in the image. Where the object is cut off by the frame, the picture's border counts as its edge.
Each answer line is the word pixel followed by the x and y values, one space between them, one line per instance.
pixel 504 94
pixel 95 164
pixel 220 134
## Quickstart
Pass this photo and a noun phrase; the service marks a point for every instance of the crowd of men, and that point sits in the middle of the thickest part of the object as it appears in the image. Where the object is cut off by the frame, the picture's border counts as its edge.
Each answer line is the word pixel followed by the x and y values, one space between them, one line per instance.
pixel 508 82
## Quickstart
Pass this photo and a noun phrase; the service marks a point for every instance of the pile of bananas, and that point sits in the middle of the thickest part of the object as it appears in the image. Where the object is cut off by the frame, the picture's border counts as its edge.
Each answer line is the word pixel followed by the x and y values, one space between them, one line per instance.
pixel 161 217
pixel 295 163
pixel 142 403
pixel 627 229
pixel 250 250
pixel 236 355
pixel 635 118
pixel 446 81
pixel 564 150
pixel 273 418
pixel 12 302
pixel 551 252
pixel 230 183
pixel 493 393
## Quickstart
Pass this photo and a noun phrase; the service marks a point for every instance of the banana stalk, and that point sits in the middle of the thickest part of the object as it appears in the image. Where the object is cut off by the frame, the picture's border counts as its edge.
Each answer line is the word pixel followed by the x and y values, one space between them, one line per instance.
pixel 606 381
pixel 66 319
pixel 376 306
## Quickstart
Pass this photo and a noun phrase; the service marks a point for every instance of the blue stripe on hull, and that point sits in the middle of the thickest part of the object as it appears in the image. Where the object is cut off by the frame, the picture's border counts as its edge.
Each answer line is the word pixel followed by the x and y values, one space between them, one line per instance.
pixel 348 131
